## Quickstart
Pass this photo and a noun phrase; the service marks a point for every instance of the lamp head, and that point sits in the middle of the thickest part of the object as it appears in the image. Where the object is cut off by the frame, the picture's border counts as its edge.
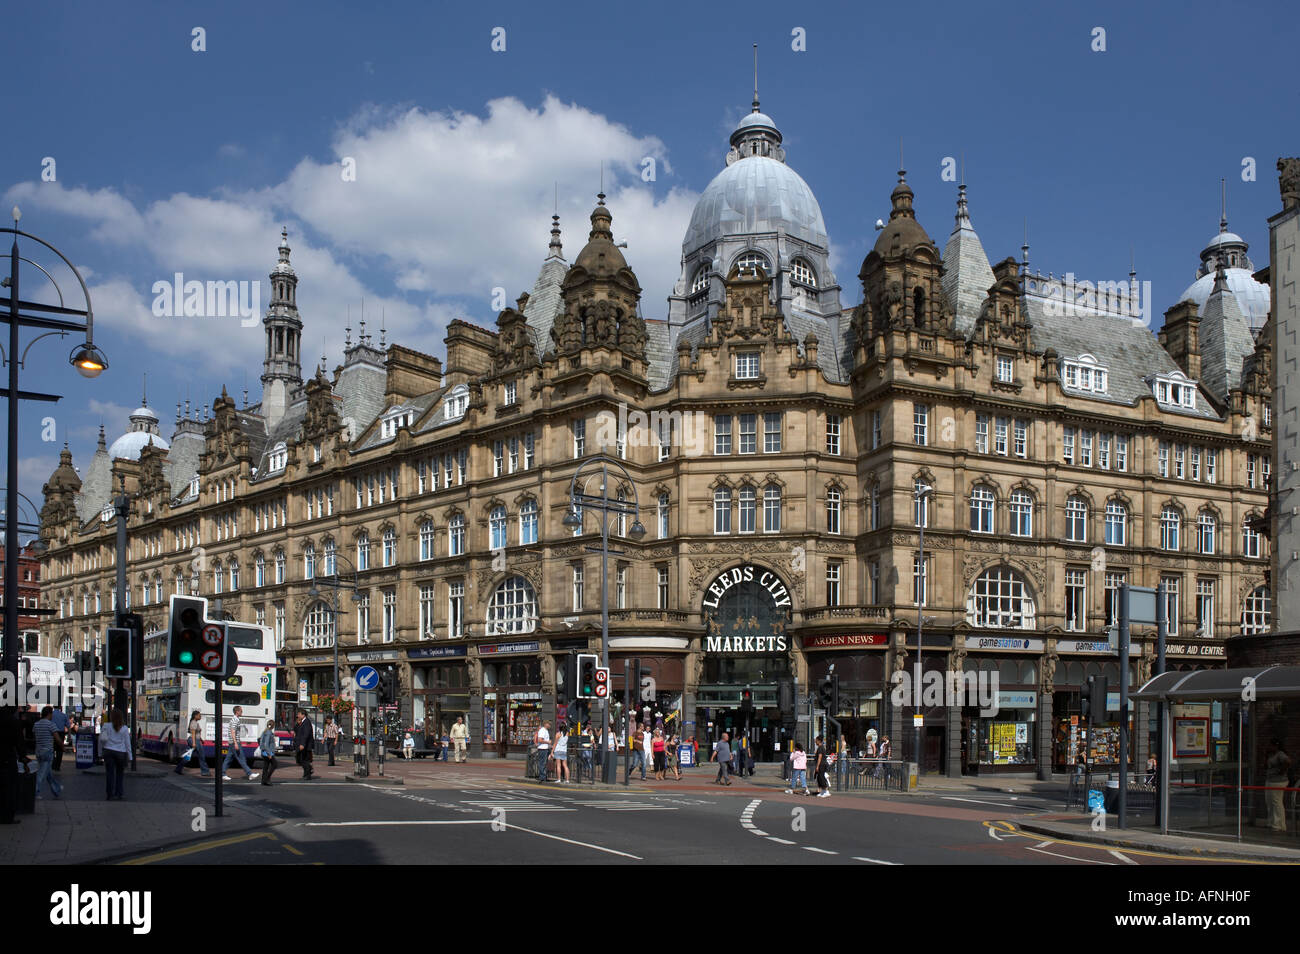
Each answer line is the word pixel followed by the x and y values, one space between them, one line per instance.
pixel 88 360
pixel 637 530
pixel 572 519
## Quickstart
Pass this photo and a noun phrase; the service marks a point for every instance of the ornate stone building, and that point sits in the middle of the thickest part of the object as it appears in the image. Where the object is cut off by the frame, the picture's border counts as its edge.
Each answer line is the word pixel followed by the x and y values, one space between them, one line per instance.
pixel 776 442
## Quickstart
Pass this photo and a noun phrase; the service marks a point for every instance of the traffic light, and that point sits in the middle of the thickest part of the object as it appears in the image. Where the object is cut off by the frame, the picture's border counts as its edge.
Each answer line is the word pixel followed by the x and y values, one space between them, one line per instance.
pixel 1094 695
pixel 746 700
pixel 785 696
pixel 387 688
pixel 120 654
pixel 571 676
pixel 135 623
pixel 586 688
pixel 194 643
pixel 835 694
pixel 636 681
pixel 825 693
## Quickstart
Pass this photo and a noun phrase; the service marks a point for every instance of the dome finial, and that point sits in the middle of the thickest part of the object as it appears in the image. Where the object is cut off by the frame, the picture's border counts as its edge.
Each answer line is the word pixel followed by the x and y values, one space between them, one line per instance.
pixel 144 390
pixel 1223 205
pixel 755 109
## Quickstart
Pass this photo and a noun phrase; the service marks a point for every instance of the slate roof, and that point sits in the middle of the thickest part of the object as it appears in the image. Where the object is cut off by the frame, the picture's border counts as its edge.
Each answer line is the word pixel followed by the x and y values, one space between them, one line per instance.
pixel 967 276
pixel 1128 350
pixel 545 302
pixel 1226 341
pixel 96 485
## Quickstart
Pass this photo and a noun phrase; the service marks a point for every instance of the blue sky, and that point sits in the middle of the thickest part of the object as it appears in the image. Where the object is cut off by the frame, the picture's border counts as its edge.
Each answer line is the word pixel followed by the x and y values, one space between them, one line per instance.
pixel 168 159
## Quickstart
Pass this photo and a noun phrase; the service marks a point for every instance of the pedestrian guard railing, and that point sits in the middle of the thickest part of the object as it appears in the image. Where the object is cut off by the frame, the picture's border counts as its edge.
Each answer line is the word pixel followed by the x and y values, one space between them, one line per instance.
pixel 850 775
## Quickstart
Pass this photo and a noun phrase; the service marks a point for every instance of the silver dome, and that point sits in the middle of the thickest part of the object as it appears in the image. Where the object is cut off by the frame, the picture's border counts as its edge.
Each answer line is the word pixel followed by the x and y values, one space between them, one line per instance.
pixel 752 195
pixel 1252 296
pixel 130 445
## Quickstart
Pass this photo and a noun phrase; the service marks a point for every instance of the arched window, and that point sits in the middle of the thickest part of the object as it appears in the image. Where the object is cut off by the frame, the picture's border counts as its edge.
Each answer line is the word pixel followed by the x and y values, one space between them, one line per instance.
pixel 700 282
pixel 157 588
pixel 1171 521
pixel 217 580
pixel 750 260
pixel 259 570
pixel 234 574
pixel 1000 599
pixel 456 535
pixel 748 508
pixel 279 566
pixel 771 509
pixel 331 558
pixel 1076 519
pixel 722 510
pixel 1205 528
pixel 363 551
pixel 456 403
pixel 918 306
pixel 390 546
pixel 497 527
pixel 1256 615
pixel 833 505
pixel 802 273
pixel 178 583
pixel 309 561
pixel 513 608
pixel 1116 524
pixel 426 540
pixel 1249 538
pixel 528 522
pixel 318 627
pixel 981 510
pixel 66 652
pixel 1021 508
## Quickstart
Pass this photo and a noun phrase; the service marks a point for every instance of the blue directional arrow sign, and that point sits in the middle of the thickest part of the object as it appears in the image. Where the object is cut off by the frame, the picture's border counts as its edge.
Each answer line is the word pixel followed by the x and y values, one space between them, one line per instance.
pixel 366 678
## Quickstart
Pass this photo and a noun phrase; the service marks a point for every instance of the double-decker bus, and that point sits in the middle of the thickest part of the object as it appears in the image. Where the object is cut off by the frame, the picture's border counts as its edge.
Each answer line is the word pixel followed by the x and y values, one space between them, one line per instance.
pixel 167 698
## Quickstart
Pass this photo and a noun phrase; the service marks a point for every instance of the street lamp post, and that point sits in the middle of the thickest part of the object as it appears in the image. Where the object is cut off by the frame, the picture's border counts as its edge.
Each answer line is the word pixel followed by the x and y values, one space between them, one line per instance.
pixel 89 362
pixel 923 493
pixel 608 507
pixel 332 580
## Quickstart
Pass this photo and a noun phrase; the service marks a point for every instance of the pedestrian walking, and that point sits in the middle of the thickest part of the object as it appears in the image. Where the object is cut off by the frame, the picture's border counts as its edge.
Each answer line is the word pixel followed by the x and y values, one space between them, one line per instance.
pixel 60 720
pixel 445 742
pixel 235 735
pixel 304 737
pixel 266 749
pixel 722 754
pixel 331 738
pixel 43 733
pixel 1276 776
pixel 657 747
pixel 882 755
pixel 798 770
pixel 194 740
pixel 562 757
pixel 460 737
pixel 543 742
pixel 647 750
pixel 638 758
pixel 408 747
pixel 673 761
pixel 820 768
pixel 115 739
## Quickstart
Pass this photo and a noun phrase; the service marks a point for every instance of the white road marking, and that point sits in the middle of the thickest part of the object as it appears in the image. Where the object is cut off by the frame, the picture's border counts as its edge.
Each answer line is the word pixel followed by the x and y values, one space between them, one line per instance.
pixel 364 824
pixel 875 861
pixel 1086 861
pixel 820 851
pixel 1122 857
pixel 977 801
pixel 780 841
pixel 582 844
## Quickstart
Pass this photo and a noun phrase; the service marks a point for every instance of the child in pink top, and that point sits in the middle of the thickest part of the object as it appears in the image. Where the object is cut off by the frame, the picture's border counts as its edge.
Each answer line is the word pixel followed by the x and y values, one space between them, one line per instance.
pixel 798 769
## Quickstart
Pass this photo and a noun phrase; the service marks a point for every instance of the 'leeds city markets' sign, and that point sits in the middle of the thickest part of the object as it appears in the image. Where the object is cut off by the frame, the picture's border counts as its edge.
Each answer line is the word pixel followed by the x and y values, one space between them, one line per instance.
pixel 747 573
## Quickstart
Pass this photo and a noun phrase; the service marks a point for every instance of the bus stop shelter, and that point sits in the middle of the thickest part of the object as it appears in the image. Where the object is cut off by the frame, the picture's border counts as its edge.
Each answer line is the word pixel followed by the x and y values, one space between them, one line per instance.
pixel 1219 727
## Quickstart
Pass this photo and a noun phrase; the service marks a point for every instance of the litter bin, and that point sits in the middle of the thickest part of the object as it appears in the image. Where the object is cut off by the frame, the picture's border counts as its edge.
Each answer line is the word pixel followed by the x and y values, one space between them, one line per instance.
pixel 27 790
pixel 1112 796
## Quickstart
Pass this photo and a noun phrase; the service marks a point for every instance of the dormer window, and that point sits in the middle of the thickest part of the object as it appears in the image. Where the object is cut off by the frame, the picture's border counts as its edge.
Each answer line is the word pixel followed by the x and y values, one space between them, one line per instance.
pixel 700 283
pixel 106 515
pixel 457 402
pixel 1175 390
pixel 1084 374
pixel 747 365
pixel 194 486
pixel 393 420
pixel 801 273
pixel 750 261
pixel 276 460
pixel 511 394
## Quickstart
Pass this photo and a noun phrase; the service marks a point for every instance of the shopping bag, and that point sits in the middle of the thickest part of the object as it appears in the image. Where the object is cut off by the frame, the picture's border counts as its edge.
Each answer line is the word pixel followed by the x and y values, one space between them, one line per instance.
pixel 1096 801
pixel 187 754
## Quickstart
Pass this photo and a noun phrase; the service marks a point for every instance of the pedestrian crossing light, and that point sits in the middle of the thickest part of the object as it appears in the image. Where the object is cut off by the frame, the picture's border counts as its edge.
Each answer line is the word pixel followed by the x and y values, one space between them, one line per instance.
pixel 120 656
pixel 586 676
pixel 825 693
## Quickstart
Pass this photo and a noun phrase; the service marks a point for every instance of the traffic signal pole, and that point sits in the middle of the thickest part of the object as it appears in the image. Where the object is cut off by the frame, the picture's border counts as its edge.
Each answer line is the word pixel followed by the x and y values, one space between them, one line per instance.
pixel 122 507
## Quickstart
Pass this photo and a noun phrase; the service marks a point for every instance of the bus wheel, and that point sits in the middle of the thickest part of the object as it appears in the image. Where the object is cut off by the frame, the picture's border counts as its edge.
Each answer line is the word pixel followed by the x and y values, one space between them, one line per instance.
pixel 171 752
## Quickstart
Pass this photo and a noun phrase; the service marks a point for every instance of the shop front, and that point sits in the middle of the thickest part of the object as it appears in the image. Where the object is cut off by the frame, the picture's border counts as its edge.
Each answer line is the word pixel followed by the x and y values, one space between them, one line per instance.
pixel 1003 736
pixel 300 684
pixel 512 708
pixel 859 661
pixel 1074 741
pixel 747 656
pixel 439 689
pixel 657 701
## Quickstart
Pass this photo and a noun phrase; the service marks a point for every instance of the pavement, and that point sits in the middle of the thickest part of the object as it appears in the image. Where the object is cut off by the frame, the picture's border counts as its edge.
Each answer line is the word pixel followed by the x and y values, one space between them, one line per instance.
pixel 170 818
pixel 83 827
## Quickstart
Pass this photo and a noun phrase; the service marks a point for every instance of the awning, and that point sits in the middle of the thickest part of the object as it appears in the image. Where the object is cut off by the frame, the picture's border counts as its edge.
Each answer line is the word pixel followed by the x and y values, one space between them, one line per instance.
pixel 1268 682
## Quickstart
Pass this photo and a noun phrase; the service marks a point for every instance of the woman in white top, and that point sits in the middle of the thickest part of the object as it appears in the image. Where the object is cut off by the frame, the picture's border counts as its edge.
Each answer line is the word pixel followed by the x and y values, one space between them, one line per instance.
pixel 115 741
pixel 561 755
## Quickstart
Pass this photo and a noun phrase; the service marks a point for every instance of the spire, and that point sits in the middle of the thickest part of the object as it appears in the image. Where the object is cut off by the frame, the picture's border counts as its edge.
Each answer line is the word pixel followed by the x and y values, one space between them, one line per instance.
pixel 556 249
pixel 963 214
pixel 103 445
pixel 1220 277
pixel 967 275
pixel 755 109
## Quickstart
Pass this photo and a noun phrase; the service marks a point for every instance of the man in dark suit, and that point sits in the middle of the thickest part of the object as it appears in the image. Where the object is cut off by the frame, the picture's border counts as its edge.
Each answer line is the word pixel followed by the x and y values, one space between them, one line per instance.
pixel 304 737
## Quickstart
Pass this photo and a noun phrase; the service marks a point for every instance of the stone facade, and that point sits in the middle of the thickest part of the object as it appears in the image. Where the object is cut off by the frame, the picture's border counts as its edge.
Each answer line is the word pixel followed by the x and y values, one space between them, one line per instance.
pixel 1065 445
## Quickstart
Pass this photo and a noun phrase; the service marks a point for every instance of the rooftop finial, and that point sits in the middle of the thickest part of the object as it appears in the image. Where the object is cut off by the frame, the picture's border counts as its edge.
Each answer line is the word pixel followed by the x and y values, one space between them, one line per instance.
pixel 557 250
pixel 1132 265
pixel 144 389
pixel 383 321
pixel 1223 205
pixel 1024 249
pixel 755 109
pixel 601 195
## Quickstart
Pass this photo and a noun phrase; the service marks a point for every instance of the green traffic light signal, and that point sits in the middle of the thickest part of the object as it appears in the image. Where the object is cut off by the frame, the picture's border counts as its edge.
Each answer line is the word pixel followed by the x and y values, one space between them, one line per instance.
pixel 187 656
